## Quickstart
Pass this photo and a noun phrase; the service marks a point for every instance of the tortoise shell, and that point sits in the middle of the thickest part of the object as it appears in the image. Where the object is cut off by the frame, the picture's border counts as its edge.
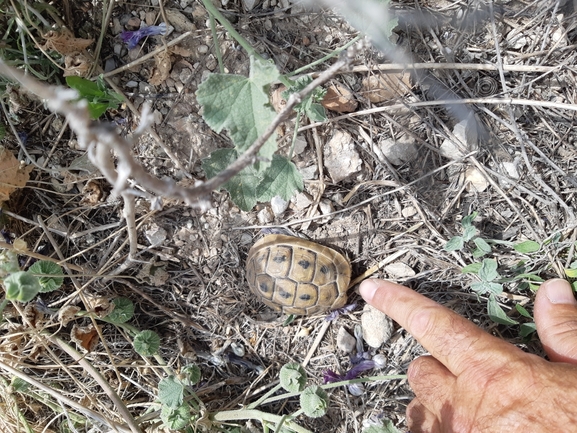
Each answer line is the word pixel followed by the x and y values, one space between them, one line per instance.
pixel 297 276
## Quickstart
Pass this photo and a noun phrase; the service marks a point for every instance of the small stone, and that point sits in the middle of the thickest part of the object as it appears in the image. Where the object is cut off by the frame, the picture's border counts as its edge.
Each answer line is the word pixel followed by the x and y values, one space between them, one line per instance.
pixel 249 4
pixel 466 132
pixel 133 23
pixel 245 239
pixel 341 158
pixel 399 270
pixel 399 151
pixel 377 327
pixel 345 341
pixel 475 180
pixel 131 84
pixel 202 49
pixel 386 86
pixel 302 201
pixel 310 172
pixel 268 25
pixel 179 21
pixel 300 145
pixel 408 211
pixel 265 216
pixel 326 207
pixel 155 235
pixel 278 205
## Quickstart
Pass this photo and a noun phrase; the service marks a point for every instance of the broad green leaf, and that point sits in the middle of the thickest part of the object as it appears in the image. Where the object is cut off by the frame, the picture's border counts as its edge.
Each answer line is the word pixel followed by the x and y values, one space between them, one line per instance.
pixel 385 426
pixel 496 313
pixel 473 268
pixel 175 418
pixel 240 105
pixel 527 329
pixel 314 401
pixel 468 220
pixel 571 273
pixel 192 374
pixel 21 286
pixel 97 109
pixel 86 88
pixel 171 392
pixel 52 278
pixel 482 245
pixel 147 343
pixel 487 287
pixel 454 244
pixel 293 377
pixel 527 247
pixel 123 310
pixel 242 187
pixel 488 271
pixel 469 233
pixel 522 311
pixel 280 178
pixel 309 106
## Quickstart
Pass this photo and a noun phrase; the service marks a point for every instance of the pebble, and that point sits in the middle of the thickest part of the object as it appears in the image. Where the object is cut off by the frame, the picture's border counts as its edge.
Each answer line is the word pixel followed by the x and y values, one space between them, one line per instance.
pixel 202 49
pixel 131 84
pixel 399 270
pixel 326 207
pixel 156 235
pixel 466 132
pixel 310 172
pixel 377 327
pixel 399 151
pixel 345 341
pixel 341 158
pixel 278 205
pixel 265 216
pixel 302 200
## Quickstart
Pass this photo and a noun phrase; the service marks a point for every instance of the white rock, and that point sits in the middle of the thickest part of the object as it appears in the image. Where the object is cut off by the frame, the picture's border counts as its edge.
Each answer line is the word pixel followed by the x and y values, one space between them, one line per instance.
pixel 345 341
pixel 326 207
pixel 399 151
pixel 278 205
pixel 300 145
pixel 341 158
pixel 399 270
pixel 475 180
pixel 511 169
pixel 377 327
pixel 265 216
pixel 310 172
pixel 466 132
pixel 155 235
pixel 249 4
pixel 408 211
pixel 302 201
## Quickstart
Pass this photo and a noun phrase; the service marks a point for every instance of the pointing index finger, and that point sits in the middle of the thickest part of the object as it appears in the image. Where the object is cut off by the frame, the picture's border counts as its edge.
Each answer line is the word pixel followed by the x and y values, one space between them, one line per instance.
pixel 453 340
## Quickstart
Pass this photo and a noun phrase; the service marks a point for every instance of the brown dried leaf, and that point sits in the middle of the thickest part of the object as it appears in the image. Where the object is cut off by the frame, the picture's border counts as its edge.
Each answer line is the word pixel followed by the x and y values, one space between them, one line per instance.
pixel 162 69
pixel 85 337
pixel 13 174
pixel 100 306
pixel 93 193
pixel 33 315
pixel 340 99
pixel 78 65
pixel 64 42
pixel 386 86
pixel 68 313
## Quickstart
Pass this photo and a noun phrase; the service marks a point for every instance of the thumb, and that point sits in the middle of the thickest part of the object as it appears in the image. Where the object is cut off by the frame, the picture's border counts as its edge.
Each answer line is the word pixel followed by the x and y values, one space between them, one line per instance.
pixel 556 320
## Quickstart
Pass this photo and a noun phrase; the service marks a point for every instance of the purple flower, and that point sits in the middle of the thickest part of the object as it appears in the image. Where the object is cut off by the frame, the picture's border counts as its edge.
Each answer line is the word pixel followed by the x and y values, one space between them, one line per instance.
pixel 378 361
pixel 132 38
pixel 333 315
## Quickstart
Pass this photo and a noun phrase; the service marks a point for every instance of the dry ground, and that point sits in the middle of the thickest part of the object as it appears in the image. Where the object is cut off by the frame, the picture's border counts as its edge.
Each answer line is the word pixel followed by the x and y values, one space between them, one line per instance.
pixel 198 300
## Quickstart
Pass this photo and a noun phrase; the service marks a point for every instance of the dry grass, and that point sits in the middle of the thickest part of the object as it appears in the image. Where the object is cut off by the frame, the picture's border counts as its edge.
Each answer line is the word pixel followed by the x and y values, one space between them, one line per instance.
pixel 200 304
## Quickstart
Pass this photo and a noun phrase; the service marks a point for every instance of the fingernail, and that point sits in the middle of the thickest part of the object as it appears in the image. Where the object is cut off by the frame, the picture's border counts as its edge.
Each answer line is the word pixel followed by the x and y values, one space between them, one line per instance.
pixel 367 290
pixel 558 291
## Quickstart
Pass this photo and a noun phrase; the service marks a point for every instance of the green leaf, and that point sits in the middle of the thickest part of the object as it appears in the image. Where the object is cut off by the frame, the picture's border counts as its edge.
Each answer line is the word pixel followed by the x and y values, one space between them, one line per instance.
pixel 469 233
pixel 454 244
pixel 473 268
pixel 97 109
pixel 192 374
pixel 496 313
pixel 147 343
pixel 488 271
pixel 2 131
pixel 280 178
pixel 468 220
pixel 171 392
pixel 21 286
pixel 53 275
pixel 482 245
pixel 241 105
pixel 86 88
pixel 522 311
pixel 293 377
pixel 386 426
pixel 242 187
pixel 314 401
pixel 527 247
pixel 175 418
pixel 309 106
pixel 527 329
pixel 571 273
pixel 487 287
pixel 123 310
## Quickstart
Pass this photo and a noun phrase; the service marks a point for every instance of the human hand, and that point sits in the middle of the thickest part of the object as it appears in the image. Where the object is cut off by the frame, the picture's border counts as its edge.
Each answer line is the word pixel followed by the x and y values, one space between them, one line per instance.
pixel 475 382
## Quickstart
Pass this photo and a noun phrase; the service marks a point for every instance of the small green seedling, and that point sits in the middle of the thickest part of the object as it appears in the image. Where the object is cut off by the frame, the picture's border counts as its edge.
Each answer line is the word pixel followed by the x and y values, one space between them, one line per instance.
pixel 99 97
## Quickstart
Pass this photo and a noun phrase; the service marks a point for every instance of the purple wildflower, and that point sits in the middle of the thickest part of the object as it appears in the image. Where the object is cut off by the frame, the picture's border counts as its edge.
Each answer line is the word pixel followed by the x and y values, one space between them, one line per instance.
pixel 131 39
pixel 378 361
pixel 333 315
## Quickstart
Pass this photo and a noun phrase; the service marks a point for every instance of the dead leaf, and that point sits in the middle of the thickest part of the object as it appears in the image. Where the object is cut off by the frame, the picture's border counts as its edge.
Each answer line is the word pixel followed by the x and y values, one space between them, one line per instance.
pixel 33 315
pixel 77 65
pixel 277 101
pixel 340 99
pixel 179 21
pixel 85 337
pixel 162 69
pixel 65 42
pixel 67 314
pixel 386 86
pixel 98 305
pixel 93 193
pixel 13 174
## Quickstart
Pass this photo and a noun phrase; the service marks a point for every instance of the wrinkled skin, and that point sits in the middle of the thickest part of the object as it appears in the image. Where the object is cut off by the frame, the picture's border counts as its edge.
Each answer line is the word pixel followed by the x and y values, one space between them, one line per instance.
pixel 474 382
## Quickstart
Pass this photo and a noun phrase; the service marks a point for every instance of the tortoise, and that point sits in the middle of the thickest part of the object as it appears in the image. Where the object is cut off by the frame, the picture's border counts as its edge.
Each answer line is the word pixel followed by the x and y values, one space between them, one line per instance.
pixel 297 276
